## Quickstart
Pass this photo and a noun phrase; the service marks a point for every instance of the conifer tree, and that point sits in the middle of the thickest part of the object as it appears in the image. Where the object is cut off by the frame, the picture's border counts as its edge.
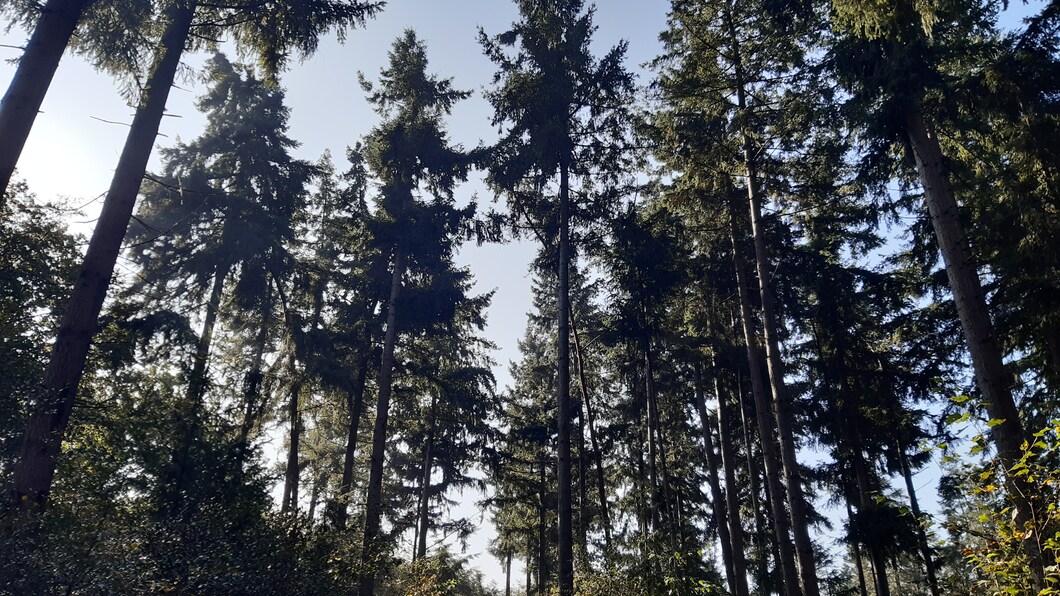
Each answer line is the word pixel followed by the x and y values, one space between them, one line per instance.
pixel 563 115
pixel 271 31
pixel 419 225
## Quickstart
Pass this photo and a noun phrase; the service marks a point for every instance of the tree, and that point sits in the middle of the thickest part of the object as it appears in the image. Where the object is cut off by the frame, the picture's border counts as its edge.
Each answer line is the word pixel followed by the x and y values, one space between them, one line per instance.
pixel 563 114
pixel 56 24
pixel 275 30
pixel 409 153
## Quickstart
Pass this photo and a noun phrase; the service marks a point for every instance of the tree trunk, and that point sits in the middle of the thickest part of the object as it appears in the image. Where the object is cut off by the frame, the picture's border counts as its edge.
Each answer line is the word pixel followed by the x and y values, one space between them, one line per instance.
pixel 35 469
pixel 717 501
pixel 189 421
pixel 862 588
pixel 354 404
pixel 425 484
pixel 371 552
pixel 781 408
pixel 992 378
pixel 508 574
pixel 583 525
pixel 563 418
pixel 732 502
pixel 253 404
pixel 529 568
pixel 56 25
pixel 770 459
pixel 657 435
pixel 761 536
pixel 914 505
pixel 865 489
pixel 291 476
pixel 601 490
pixel 781 405
pixel 542 542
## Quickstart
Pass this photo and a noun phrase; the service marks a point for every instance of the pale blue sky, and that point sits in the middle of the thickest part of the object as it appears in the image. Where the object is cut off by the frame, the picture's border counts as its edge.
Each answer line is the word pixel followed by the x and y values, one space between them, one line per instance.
pixel 71 153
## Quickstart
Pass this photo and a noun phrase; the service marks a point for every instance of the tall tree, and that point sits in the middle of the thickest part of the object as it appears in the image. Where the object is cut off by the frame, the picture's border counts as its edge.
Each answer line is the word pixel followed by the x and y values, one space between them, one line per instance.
pixel 223 211
pixel 410 154
pixel 563 114
pixel 271 31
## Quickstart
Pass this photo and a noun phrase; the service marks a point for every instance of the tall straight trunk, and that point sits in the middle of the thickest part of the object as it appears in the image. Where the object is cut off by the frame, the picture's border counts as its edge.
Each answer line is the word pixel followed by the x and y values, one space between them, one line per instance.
pixel 991 375
pixel 992 378
pixel 717 500
pixel 319 483
pixel 781 405
pixel 654 421
pixel 563 418
pixel 652 492
pixel 601 489
pixel 583 494
pixel 508 573
pixel 728 463
pixel 865 500
pixel 354 405
pixel 770 458
pixel 644 508
pixel 425 483
pixel 781 408
pixel 914 505
pixel 858 564
pixel 36 67
pixel 371 551
pixel 542 541
pixel 529 567
pixel 291 475
pixel 189 421
pixel 35 469
pixel 253 404
pixel 761 536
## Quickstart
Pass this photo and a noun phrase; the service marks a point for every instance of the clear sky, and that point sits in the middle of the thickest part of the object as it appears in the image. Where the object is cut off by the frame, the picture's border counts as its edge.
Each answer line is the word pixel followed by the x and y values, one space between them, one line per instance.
pixel 72 152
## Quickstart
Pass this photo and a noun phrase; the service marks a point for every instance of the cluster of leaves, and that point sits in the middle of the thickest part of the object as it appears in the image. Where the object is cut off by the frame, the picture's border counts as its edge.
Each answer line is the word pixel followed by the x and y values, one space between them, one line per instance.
pixel 1001 558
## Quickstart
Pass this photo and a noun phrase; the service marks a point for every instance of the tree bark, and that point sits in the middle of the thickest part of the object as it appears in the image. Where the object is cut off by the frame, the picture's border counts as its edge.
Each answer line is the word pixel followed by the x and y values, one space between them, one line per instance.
pixel 50 415
pixel 563 418
pixel 508 574
pixel 291 476
pixel 862 588
pixel 865 487
pixel 371 551
pixel 914 505
pixel 728 463
pixel 991 375
pixel 770 458
pixel 354 404
pixel 253 405
pixel 761 536
pixel 24 96
pixel 716 498
pixel 668 514
pixel 542 542
pixel 601 489
pixel 189 422
pixel 425 484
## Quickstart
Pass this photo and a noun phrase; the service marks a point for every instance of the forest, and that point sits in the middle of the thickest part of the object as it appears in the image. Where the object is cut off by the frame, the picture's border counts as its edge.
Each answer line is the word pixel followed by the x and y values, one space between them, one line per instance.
pixel 794 325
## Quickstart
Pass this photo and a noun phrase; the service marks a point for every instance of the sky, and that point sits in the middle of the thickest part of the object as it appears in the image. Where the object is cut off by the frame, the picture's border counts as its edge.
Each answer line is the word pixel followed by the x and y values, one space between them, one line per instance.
pixel 77 138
